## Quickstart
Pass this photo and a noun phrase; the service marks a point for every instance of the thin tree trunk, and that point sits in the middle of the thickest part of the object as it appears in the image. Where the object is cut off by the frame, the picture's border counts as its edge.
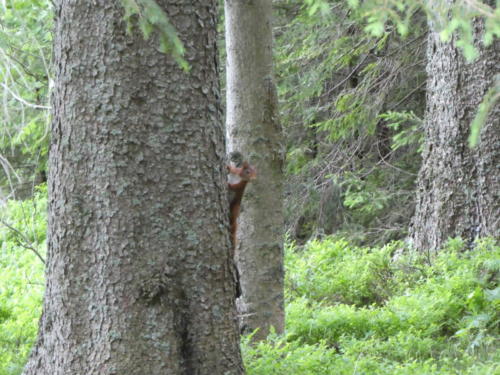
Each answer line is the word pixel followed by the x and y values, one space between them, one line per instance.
pixel 458 187
pixel 254 130
pixel 138 273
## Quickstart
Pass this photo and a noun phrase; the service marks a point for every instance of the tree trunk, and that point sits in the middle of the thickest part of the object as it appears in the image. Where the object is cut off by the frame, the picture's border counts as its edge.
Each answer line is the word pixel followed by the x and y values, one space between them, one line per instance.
pixel 254 130
pixel 138 273
pixel 458 187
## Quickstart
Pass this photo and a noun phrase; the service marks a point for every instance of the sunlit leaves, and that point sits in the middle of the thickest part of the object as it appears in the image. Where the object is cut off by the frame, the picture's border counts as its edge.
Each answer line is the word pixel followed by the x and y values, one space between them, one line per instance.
pixel 449 18
pixel 21 279
pixel 313 6
pixel 406 127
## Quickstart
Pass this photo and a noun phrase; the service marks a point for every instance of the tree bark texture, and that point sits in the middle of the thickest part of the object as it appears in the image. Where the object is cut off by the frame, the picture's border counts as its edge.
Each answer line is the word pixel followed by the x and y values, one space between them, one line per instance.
pixel 138 273
pixel 458 187
pixel 253 128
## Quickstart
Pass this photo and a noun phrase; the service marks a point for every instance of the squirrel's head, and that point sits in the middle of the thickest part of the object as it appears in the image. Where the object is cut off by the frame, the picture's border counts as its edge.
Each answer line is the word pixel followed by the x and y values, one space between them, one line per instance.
pixel 248 173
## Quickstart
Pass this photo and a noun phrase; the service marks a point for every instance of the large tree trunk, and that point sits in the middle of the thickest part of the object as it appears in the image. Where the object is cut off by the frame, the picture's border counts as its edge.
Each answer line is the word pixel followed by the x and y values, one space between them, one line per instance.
pixel 138 273
pixel 458 187
pixel 254 130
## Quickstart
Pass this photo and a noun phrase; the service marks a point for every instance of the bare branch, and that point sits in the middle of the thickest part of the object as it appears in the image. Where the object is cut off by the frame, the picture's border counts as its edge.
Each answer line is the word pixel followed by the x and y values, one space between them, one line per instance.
pixel 25 239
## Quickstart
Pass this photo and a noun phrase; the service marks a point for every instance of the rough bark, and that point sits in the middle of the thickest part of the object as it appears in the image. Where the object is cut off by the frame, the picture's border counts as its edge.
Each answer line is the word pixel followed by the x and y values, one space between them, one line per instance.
pixel 138 273
pixel 253 129
pixel 458 187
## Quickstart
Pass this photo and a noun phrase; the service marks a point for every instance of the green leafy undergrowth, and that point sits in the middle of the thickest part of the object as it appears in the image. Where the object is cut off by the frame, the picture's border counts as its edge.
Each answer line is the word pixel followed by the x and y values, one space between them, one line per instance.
pixel 22 235
pixel 335 271
pixel 357 310
pixel 350 310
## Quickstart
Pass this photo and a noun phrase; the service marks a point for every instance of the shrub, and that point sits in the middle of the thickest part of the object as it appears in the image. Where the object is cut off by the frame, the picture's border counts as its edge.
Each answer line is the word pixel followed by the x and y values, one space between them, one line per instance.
pixel 21 279
pixel 334 271
pixel 358 311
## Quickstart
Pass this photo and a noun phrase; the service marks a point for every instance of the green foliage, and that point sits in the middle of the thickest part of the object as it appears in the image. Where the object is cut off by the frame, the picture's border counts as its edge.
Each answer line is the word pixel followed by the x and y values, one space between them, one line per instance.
pixel 351 108
pixel 349 309
pixel 21 279
pixel 150 18
pixel 364 198
pixel 277 356
pixel 382 15
pixel 353 102
pixel 313 6
pixel 458 19
pixel 404 135
pixel 334 271
pixel 455 18
pixel 450 18
pixel 440 317
pixel 490 99
pixel 25 52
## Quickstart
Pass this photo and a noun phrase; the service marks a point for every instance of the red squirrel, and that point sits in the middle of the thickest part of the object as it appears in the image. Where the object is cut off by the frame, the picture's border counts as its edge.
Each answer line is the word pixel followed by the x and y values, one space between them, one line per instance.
pixel 238 179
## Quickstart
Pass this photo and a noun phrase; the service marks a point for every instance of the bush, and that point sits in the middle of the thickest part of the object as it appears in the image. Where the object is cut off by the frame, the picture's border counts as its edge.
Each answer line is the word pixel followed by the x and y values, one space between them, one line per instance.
pixel 333 271
pixel 357 311
pixel 21 279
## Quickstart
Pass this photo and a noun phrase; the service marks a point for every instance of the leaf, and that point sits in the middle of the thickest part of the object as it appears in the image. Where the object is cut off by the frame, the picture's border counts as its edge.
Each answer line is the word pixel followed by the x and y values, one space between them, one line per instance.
pixel 353 3
pixel 375 27
pixel 152 18
pixel 470 52
pixel 402 28
pixel 488 102
pixel 145 27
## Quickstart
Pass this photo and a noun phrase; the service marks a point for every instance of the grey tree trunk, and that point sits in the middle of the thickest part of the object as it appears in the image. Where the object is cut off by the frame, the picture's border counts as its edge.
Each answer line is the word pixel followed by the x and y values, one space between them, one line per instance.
pixel 253 128
pixel 138 273
pixel 458 187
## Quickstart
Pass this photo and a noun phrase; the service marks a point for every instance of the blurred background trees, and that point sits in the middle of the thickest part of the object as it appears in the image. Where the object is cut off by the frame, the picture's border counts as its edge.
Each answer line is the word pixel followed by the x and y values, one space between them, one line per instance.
pixel 25 58
pixel 352 106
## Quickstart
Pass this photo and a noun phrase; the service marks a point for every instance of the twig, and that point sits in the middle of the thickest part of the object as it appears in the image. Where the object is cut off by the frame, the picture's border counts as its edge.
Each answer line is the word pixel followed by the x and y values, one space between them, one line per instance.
pixel 25 239
pixel 18 98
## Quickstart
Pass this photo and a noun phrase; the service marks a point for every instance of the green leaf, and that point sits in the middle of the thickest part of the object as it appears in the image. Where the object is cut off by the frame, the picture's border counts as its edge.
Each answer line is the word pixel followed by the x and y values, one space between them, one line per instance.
pixel 353 3
pixel 152 18
pixel 487 104
pixel 375 27
pixel 402 28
